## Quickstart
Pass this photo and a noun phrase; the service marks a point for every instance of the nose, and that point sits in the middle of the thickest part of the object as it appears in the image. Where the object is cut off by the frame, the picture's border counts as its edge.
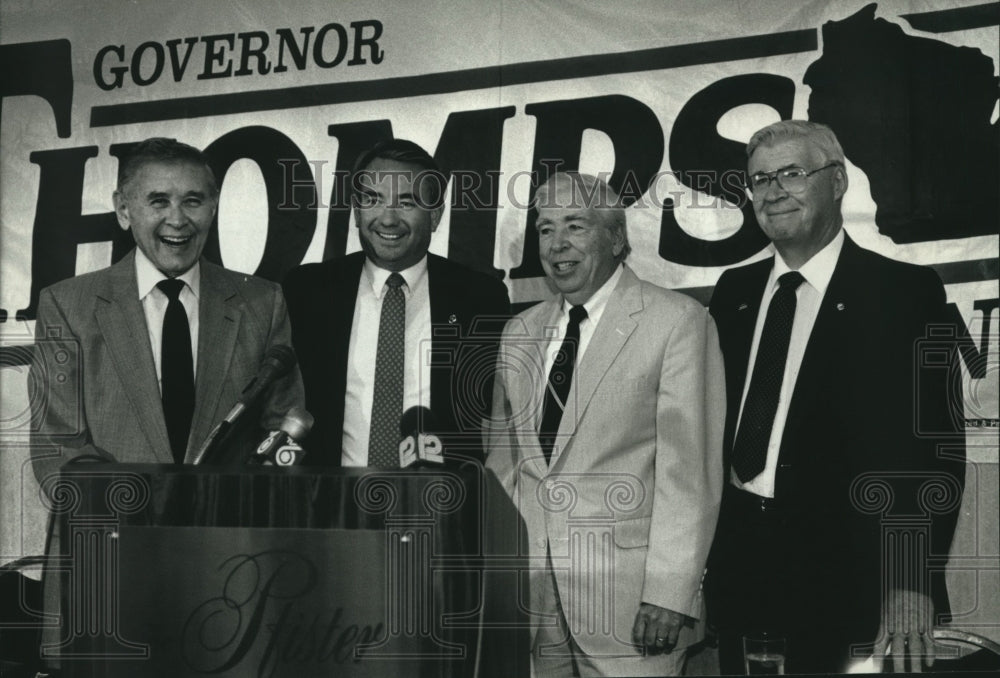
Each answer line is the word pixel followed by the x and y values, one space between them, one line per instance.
pixel 558 242
pixel 774 191
pixel 388 216
pixel 175 215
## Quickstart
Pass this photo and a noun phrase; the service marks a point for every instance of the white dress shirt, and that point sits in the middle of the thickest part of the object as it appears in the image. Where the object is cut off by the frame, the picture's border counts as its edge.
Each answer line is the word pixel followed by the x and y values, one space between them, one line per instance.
pixel 154 305
pixel 808 297
pixel 361 356
pixel 595 309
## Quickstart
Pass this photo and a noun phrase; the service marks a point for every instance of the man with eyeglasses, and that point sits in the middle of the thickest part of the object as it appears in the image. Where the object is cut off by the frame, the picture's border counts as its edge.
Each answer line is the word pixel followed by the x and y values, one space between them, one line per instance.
pixel 825 380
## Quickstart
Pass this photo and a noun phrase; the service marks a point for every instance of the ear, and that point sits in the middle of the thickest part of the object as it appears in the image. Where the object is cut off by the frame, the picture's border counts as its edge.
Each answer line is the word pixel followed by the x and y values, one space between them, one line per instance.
pixel 436 215
pixel 617 241
pixel 839 182
pixel 121 210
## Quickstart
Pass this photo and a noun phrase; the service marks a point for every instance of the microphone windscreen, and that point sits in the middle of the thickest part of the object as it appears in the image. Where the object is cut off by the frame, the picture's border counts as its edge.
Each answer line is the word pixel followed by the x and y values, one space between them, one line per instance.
pixel 281 356
pixel 417 418
pixel 297 423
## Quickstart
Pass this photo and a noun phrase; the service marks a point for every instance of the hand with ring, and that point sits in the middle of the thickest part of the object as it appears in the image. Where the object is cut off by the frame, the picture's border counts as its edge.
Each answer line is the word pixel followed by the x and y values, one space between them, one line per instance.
pixel 656 628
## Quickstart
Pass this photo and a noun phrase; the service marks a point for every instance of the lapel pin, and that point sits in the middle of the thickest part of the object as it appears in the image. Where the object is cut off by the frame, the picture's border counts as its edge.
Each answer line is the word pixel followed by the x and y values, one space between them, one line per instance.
pixel 840 306
pixel 742 307
pixel 452 319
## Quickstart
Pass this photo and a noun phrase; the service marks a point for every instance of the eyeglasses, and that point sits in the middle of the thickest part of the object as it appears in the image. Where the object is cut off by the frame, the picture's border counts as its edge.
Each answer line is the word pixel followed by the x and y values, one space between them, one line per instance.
pixel 791 179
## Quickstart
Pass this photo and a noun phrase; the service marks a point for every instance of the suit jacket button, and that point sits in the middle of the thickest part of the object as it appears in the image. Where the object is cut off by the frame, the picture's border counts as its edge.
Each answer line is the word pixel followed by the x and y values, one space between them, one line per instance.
pixel 541 542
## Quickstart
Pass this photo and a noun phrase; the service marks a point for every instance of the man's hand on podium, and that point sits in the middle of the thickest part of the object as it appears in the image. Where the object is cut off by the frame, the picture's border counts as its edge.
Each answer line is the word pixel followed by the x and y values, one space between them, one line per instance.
pixel 906 632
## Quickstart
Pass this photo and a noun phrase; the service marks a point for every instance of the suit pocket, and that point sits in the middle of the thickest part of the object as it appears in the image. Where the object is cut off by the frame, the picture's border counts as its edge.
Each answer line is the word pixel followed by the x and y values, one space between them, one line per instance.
pixel 626 386
pixel 632 533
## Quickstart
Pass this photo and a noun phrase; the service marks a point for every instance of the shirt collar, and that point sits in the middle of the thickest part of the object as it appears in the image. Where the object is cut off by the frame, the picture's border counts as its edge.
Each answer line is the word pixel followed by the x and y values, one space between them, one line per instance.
pixel 414 276
pixel 598 300
pixel 147 275
pixel 818 270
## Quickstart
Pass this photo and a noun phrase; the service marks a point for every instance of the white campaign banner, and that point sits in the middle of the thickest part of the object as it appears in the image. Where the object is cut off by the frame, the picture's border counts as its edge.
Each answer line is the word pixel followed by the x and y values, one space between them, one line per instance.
pixel 660 98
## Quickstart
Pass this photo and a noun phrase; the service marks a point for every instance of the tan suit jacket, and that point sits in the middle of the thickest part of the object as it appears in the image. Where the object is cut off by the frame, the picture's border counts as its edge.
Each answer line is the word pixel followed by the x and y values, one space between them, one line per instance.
pixel 95 379
pixel 628 506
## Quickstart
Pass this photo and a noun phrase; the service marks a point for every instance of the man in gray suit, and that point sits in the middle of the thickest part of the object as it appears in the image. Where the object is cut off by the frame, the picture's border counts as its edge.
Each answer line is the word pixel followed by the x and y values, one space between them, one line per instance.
pixel 607 434
pixel 137 362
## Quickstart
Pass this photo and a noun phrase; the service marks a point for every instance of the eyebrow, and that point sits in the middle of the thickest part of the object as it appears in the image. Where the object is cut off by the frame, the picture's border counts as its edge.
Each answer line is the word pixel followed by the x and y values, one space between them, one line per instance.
pixel 783 167
pixel 152 195
pixel 573 216
pixel 368 190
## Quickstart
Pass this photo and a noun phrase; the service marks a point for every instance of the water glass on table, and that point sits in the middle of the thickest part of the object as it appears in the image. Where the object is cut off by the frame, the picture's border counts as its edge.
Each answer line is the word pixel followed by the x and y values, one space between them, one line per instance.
pixel 764 654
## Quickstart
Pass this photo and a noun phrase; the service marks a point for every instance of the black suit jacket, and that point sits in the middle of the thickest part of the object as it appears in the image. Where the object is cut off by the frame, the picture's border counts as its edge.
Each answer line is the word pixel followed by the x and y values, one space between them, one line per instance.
pixel 875 413
pixel 468 313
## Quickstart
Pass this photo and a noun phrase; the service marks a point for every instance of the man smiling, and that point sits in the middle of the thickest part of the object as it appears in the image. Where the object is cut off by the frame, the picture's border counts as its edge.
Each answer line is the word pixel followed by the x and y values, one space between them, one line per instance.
pixel 169 207
pixel 393 327
pixel 607 433
pixel 162 342
pixel 825 383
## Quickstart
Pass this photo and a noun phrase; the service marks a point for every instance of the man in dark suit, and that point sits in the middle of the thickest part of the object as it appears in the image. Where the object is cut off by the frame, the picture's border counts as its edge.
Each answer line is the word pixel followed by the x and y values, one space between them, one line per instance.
pixel 823 445
pixel 116 380
pixel 361 373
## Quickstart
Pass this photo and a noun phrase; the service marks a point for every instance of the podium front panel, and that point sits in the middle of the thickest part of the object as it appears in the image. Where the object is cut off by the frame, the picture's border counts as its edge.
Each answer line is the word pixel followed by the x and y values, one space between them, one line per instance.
pixel 193 571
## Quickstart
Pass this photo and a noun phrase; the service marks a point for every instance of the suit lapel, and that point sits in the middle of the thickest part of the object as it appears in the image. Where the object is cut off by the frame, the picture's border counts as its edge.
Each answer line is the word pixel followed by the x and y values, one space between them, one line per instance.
pixel 219 317
pixel 610 335
pixel 443 314
pixel 735 308
pixel 343 293
pixel 743 311
pixel 527 396
pixel 122 323
pixel 335 300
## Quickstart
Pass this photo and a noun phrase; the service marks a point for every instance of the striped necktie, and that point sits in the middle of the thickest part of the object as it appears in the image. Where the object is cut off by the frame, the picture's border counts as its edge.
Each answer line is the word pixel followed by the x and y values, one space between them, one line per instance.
pixel 560 380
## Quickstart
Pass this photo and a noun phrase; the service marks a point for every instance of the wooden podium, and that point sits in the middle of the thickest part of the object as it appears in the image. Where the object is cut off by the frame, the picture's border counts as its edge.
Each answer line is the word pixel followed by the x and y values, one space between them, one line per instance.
pixel 195 571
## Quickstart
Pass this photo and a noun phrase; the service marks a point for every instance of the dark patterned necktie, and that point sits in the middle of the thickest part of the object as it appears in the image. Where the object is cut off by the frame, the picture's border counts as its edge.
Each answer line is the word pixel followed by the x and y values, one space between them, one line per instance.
pixel 387 405
pixel 750 447
pixel 176 369
pixel 560 379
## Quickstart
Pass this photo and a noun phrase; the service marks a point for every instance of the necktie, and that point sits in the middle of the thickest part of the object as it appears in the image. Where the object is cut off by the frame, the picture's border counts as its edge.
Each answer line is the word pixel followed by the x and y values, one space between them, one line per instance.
pixel 387 405
pixel 750 447
pixel 176 369
pixel 560 379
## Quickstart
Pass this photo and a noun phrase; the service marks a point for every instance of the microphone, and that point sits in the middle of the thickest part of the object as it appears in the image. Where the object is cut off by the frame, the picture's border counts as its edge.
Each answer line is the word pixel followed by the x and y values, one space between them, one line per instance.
pixel 419 446
pixel 281 447
pixel 278 361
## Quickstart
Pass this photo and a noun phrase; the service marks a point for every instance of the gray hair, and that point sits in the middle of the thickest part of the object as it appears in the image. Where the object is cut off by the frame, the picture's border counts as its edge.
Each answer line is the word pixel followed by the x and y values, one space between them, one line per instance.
pixel 162 150
pixel 821 136
pixel 596 194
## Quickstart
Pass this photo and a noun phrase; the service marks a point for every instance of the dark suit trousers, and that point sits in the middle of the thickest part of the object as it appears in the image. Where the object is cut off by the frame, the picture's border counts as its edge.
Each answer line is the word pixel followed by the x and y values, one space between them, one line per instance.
pixel 759 581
